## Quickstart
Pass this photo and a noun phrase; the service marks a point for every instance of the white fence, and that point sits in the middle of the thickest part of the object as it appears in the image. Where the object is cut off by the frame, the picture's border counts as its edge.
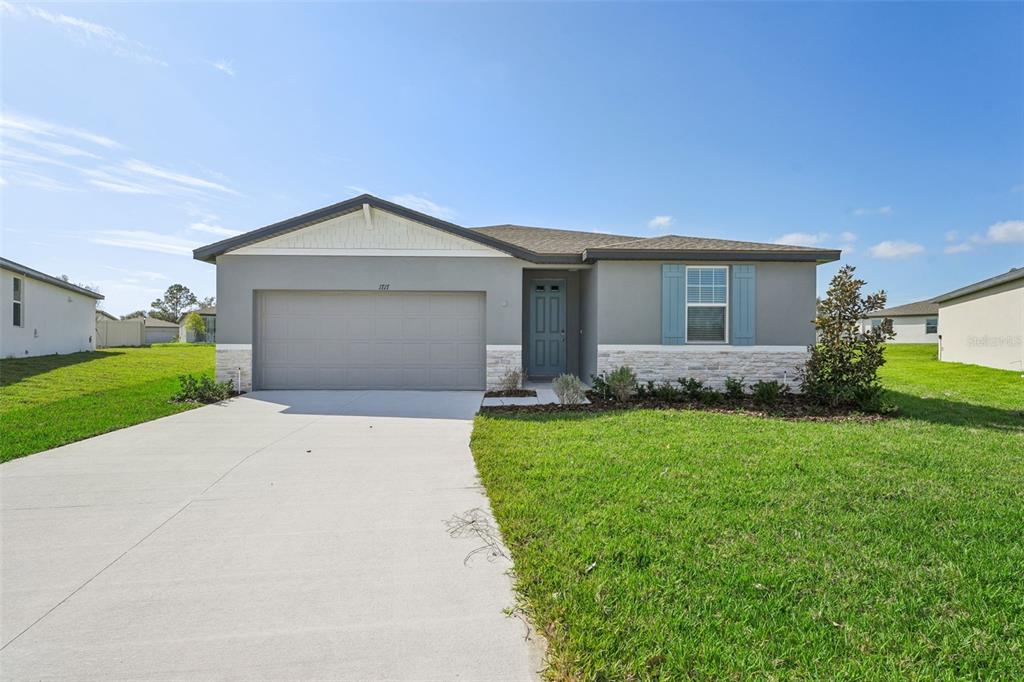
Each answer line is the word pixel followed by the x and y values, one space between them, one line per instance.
pixel 110 333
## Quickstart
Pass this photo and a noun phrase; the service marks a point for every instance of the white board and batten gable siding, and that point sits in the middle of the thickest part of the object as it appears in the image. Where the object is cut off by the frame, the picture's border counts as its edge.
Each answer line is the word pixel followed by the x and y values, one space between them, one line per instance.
pixel 368 232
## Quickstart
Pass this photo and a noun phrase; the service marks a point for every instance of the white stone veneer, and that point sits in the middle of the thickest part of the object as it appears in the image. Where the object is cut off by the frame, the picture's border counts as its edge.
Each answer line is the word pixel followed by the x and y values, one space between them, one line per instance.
pixel 500 359
pixel 710 364
pixel 232 357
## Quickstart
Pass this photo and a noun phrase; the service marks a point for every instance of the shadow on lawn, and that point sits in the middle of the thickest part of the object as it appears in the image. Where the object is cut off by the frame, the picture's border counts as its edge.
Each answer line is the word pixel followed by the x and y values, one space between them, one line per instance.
pixel 13 370
pixel 941 411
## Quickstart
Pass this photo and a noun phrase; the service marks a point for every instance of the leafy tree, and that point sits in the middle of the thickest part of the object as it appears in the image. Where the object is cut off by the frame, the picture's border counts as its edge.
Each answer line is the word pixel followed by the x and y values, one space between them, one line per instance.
pixel 194 323
pixel 842 369
pixel 207 302
pixel 132 315
pixel 176 300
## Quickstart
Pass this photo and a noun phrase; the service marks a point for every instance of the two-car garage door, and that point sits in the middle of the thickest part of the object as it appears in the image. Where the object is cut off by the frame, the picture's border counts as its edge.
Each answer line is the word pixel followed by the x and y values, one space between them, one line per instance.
pixel 370 340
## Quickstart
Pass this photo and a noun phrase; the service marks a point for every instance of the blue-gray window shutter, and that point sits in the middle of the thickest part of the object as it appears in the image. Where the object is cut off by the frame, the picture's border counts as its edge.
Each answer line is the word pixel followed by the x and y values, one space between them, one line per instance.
pixel 743 309
pixel 673 305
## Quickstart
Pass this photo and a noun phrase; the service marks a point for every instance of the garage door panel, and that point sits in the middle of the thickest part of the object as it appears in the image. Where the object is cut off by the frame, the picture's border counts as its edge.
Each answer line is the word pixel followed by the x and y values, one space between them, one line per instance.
pixel 413 340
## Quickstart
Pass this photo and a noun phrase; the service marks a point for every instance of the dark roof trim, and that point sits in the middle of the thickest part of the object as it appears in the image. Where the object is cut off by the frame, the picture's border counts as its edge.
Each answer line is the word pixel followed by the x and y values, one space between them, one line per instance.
pixel 1012 275
pixel 210 252
pixel 825 256
pixel 43 277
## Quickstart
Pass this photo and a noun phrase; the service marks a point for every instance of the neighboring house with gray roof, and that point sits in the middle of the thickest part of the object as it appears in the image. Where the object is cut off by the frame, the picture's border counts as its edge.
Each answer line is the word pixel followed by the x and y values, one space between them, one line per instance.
pixel 209 315
pixel 43 314
pixel 370 294
pixel 916 322
pixel 160 331
pixel 983 323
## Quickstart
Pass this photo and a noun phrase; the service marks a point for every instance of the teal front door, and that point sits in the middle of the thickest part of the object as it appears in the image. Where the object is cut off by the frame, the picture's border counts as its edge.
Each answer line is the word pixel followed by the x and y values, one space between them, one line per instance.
pixel 547 328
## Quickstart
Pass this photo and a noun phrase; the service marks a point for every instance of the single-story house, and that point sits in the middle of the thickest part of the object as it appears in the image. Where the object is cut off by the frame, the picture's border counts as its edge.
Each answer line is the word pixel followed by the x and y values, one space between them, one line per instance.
pixel 983 323
pixel 104 315
pixel 43 314
pixel 370 294
pixel 160 331
pixel 209 315
pixel 916 322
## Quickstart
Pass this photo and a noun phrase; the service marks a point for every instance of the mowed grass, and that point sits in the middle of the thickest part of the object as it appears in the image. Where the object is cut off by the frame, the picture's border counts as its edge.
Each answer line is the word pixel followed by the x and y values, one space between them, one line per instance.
pixel 57 399
pixel 673 544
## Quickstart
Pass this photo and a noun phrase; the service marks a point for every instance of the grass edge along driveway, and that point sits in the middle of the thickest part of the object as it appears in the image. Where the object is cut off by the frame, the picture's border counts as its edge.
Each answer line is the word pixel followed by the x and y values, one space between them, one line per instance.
pixel 52 400
pixel 665 545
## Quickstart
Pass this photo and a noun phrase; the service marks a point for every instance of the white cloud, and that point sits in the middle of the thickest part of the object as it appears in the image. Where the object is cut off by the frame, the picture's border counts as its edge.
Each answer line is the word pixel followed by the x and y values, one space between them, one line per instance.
pixel 881 210
pixel 1006 232
pixel 952 235
pixel 424 205
pixel 847 237
pixel 895 249
pixel 224 66
pixel 145 241
pixel 213 229
pixel 139 274
pixel 90 33
pixel 802 239
pixel 660 222
pixel 958 248
pixel 1017 188
pixel 22 126
pixel 142 168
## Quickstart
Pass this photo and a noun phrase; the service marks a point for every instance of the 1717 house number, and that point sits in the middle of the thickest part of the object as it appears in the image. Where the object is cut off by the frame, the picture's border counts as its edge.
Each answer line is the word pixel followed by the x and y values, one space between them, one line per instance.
pixel 383 287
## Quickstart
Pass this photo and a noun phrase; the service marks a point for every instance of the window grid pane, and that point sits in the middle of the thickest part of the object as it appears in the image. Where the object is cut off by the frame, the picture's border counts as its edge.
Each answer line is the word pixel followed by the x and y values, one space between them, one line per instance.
pixel 705 324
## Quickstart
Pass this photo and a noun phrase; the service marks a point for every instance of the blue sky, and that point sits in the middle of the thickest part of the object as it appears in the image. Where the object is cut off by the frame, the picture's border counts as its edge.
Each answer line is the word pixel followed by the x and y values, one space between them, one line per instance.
pixel 134 132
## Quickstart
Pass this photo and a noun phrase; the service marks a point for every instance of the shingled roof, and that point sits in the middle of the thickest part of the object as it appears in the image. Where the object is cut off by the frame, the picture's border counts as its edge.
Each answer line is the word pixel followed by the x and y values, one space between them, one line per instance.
pixel 928 307
pixel 541 244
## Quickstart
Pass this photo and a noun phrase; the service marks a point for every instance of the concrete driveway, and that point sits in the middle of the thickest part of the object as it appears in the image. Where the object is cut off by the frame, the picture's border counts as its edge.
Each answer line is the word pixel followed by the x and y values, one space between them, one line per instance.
pixel 283 535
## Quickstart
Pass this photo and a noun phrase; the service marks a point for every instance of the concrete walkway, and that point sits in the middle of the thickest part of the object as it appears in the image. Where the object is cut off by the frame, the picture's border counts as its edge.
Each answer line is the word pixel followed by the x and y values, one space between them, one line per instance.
pixel 283 535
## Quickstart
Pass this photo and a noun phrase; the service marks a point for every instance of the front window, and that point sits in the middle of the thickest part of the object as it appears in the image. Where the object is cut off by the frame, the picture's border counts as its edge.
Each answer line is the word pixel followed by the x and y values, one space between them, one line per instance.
pixel 931 325
pixel 876 323
pixel 18 302
pixel 707 293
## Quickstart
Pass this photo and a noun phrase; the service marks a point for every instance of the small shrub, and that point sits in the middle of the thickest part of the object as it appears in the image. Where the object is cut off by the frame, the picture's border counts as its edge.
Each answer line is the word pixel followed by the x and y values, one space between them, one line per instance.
pixel 692 388
pixel 769 393
pixel 511 380
pixel 569 389
pixel 667 392
pixel 734 389
pixel 646 390
pixel 709 396
pixel 202 390
pixel 620 383
pixel 842 368
pixel 599 384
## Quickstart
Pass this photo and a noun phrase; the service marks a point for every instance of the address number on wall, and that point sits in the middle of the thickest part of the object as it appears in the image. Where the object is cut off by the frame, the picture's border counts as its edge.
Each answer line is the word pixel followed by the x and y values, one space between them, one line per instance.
pixel 383 287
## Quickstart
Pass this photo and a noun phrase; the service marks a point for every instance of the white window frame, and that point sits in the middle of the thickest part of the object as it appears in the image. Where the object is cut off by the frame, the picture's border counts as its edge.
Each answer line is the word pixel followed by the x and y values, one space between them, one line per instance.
pixel 687 305
pixel 926 325
pixel 19 302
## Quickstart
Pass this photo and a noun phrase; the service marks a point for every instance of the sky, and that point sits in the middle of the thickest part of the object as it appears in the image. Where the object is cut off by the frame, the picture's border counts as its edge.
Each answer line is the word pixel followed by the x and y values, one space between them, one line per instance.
pixel 132 133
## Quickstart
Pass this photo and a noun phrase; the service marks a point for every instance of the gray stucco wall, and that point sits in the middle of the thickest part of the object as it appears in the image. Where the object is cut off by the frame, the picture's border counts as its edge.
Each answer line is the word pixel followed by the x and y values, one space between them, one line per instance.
pixel 629 302
pixel 572 314
pixel 238 276
pixel 588 324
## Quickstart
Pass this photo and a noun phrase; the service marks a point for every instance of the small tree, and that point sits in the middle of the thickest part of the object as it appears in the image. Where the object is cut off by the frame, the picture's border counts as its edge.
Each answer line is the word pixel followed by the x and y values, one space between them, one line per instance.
pixel 194 323
pixel 843 366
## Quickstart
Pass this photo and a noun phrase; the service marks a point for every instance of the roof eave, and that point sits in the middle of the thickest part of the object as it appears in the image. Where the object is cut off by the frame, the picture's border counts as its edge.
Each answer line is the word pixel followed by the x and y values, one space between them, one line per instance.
pixel 26 271
pixel 210 252
pixel 1011 276
pixel 819 257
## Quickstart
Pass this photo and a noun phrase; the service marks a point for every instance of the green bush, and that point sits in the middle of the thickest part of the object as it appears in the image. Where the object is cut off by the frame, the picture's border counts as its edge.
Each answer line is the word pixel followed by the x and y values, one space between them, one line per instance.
pixel 667 392
pixel 769 393
pixel 709 396
pixel 569 389
pixel 734 388
pixel 842 368
pixel 619 384
pixel 202 390
pixel 692 388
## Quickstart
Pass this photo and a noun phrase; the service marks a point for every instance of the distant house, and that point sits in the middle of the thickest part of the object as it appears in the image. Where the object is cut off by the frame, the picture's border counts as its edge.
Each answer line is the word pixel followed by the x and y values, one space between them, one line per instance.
pixel 104 315
pixel 160 331
pixel 983 323
pixel 209 315
pixel 44 315
pixel 913 323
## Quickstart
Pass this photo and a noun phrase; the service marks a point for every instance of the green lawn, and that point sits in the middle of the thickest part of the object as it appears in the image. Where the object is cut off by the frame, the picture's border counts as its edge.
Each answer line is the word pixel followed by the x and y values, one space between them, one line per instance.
pixel 56 399
pixel 673 544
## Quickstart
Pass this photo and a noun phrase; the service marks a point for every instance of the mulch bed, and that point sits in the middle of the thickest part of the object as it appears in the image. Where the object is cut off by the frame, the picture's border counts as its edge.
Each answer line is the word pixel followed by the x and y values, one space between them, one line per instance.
pixel 792 407
pixel 517 393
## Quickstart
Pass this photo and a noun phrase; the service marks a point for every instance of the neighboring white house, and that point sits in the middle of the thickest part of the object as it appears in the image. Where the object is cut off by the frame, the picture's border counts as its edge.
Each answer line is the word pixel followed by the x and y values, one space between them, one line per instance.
pixel 43 315
pixel 913 323
pixel 160 331
pixel 983 323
